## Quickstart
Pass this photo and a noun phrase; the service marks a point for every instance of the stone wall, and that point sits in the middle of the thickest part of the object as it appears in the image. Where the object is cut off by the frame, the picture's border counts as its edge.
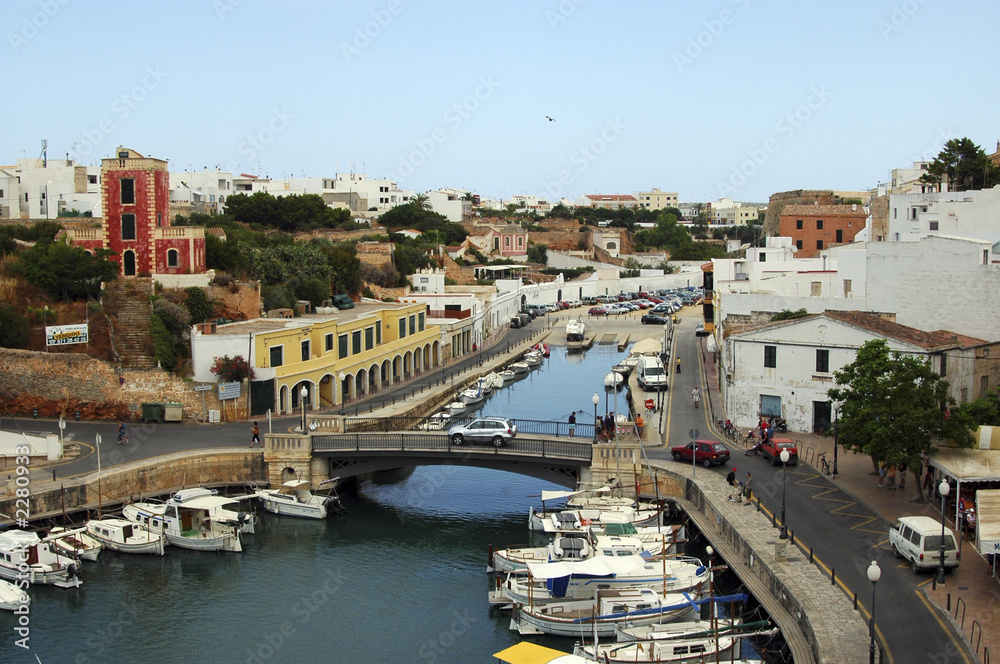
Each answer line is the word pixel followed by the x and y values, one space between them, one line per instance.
pixel 779 200
pixel 63 383
pixel 239 300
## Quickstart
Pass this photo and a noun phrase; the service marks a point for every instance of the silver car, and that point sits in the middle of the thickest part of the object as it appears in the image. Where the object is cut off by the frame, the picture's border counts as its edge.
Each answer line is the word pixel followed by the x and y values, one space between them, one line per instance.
pixel 494 430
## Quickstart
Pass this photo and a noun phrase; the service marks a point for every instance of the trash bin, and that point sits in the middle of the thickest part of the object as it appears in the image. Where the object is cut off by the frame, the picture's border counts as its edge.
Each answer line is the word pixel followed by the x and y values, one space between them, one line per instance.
pixel 152 412
pixel 173 412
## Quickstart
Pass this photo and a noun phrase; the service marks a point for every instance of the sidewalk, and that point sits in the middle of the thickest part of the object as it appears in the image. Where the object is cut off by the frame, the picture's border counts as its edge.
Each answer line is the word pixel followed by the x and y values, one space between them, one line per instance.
pixel 967 591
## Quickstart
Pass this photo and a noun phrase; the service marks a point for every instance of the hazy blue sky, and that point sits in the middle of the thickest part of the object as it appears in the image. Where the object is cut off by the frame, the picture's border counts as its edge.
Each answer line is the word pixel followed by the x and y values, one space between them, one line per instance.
pixel 730 97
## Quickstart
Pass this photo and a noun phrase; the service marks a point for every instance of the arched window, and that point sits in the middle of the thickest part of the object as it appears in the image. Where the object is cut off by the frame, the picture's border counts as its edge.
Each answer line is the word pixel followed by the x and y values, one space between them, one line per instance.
pixel 172 255
pixel 506 241
pixel 520 241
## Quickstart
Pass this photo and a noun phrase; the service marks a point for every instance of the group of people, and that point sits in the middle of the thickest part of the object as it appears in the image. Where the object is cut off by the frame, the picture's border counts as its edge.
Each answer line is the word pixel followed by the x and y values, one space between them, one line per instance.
pixel 887 476
pixel 741 491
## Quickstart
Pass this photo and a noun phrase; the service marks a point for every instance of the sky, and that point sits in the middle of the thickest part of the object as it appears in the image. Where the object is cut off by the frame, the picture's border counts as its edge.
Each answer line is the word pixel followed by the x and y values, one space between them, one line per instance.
pixel 725 98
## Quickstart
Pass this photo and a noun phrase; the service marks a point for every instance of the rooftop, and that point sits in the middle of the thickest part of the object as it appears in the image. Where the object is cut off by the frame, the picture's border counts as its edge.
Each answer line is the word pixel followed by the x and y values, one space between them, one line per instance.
pixel 258 325
pixel 824 210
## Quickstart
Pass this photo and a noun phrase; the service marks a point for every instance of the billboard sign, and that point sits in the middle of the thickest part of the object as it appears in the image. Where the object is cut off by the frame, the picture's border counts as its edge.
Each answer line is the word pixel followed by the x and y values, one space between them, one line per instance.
pixel 229 391
pixel 62 335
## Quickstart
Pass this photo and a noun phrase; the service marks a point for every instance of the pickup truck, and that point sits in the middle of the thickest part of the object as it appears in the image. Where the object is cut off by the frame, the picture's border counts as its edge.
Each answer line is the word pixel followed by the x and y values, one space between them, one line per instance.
pixel 771 450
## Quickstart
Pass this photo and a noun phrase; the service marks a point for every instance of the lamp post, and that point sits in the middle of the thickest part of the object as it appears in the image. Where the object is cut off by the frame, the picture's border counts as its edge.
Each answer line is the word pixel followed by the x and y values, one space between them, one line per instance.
pixel 944 489
pixel 303 393
pixel 874 574
pixel 595 400
pixel 835 443
pixel 784 470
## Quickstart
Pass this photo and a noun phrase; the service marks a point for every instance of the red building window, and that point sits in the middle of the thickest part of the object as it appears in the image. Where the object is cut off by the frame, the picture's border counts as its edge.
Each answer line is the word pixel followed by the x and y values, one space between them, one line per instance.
pixel 172 258
pixel 128 191
pixel 128 226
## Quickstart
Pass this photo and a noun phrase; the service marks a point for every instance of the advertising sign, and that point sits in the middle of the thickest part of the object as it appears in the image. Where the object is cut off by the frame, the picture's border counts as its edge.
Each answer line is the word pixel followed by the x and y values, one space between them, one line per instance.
pixel 61 335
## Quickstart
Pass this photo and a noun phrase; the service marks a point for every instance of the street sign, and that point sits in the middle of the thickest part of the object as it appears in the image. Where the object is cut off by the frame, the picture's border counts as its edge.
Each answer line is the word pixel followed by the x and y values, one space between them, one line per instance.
pixel 694 433
pixel 229 391
pixel 97 438
pixel 202 388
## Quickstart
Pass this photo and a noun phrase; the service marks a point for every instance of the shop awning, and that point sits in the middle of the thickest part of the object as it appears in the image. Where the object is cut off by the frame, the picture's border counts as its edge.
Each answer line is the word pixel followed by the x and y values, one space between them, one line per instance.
pixel 988 521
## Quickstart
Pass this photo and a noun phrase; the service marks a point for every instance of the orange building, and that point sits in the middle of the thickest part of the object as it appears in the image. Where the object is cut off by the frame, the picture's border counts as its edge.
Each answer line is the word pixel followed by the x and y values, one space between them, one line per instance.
pixel 814 228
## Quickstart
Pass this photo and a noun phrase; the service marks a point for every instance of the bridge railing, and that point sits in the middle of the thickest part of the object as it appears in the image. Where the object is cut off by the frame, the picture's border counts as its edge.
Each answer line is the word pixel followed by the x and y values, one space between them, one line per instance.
pixel 440 442
pixel 583 432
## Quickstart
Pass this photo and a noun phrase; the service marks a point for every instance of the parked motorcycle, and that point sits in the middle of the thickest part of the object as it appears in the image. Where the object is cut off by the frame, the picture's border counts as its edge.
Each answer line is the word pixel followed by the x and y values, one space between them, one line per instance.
pixel 779 424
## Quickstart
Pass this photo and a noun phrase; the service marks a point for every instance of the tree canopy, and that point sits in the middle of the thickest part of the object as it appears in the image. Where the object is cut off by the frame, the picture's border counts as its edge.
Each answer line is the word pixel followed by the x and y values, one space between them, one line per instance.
pixel 965 165
pixel 290 214
pixel 428 222
pixel 66 272
pixel 893 407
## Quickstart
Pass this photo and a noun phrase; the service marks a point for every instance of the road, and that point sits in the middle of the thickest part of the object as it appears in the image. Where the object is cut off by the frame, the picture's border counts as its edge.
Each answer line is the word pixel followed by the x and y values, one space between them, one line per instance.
pixel 844 534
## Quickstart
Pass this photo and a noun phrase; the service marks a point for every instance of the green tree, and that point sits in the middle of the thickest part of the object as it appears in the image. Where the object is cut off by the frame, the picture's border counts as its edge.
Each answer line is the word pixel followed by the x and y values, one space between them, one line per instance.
pixel 984 411
pixel 198 304
pixel 421 201
pixel 893 407
pixel 538 253
pixel 788 314
pixel 64 271
pixel 13 327
pixel 163 343
pixel 964 164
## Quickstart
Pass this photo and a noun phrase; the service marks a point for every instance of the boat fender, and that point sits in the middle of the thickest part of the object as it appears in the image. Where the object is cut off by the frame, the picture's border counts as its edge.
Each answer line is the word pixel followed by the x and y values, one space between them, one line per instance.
pixel 585 522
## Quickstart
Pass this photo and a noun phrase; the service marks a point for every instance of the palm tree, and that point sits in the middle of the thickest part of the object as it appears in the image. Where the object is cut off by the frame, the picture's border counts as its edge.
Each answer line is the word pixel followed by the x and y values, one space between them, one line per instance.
pixel 422 201
pixel 468 196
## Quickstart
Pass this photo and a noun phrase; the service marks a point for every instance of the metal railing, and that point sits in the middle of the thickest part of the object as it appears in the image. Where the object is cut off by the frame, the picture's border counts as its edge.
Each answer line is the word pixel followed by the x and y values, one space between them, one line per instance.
pixel 440 442
pixel 582 432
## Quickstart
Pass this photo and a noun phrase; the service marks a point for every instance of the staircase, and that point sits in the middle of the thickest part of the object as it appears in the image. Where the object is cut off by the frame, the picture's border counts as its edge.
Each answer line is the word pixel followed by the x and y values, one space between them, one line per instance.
pixel 126 301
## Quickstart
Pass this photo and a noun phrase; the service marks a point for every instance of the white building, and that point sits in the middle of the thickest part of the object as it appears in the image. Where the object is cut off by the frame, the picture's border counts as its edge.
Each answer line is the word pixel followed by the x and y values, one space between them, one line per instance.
pixel 206 188
pixel 970 214
pixel 355 191
pixel 785 368
pixel 42 188
pixel 450 203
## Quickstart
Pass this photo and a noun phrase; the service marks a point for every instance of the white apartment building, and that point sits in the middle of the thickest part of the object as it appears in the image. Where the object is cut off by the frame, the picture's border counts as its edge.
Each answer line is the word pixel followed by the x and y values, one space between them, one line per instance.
pixel 206 188
pixel 654 199
pixel 355 191
pixel 42 188
pixel 450 203
pixel 971 214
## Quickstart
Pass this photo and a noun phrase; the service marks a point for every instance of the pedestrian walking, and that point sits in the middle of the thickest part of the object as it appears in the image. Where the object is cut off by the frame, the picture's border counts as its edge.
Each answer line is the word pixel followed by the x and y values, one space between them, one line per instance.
pixel 748 489
pixel 609 425
pixel 572 424
pixel 678 364
pixel 890 476
pixel 881 475
pixel 640 425
pixel 256 435
pixel 696 396
pixel 731 481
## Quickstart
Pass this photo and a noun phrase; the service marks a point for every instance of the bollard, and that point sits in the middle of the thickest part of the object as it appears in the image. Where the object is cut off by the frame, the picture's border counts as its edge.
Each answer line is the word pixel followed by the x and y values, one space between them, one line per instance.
pixel 34 413
pixel 833 576
pixel 77 416
pixel 53 474
pixel 855 601
pixel 934 582
pixel 810 554
pixel 949 603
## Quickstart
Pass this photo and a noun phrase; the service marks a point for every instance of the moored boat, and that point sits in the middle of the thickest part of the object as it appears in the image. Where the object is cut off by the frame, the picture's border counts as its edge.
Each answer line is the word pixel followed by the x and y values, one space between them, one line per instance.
pixel 576 329
pixel 75 543
pixel 508 376
pixel 613 381
pixel 25 557
pixel 295 498
pixel 456 407
pixel 575 547
pixel 195 519
pixel 126 536
pixel 437 421
pixel 471 396
pixel 532 358
pixel 12 597
pixel 519 367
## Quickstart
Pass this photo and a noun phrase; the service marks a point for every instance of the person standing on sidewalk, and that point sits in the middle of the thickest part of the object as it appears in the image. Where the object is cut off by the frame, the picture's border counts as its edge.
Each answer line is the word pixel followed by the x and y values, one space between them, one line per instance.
pixel 748 489
pixel 256 435
pixel 678 363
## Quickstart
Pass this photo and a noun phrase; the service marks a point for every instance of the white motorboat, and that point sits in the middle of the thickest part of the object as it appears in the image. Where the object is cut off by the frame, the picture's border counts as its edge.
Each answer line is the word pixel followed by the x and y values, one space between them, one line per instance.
pixel 12 597
pixel 581 579
pixel 195 519
pixel 656 651
pixel 437 421
pixel 519 368
pixel 532 358
pixel 613 380
pixel 471 396
pixel 295 498
pixel 603 613
pixel 493 381
pixel 75 543
pixel 580 518
pixel 20 549
pixel 568 547
pixel 508 376
pixel 576 329
pixel 126 536
pixel 456 407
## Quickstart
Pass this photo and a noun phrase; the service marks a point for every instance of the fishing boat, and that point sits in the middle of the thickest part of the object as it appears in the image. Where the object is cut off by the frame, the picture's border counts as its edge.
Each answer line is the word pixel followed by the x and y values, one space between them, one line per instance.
pixel 601 614
pixel 437 421
pixel 12 597
pixel 574 547
pixel 492 381
pixel 508 376
pixel 581 579
pixel 75 543
pixel 532 358
pixel 125 536
pixel 195 519
pixel 471 396
pixel 613 380
pixel 581 518
pixel 456 408
pixel 520 368
pixel 25 557
pixel 576 329
pixel 295 498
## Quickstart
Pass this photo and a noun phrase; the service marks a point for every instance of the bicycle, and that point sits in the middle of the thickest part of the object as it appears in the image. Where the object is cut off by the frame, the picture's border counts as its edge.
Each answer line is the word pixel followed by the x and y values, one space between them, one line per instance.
pixel 824 465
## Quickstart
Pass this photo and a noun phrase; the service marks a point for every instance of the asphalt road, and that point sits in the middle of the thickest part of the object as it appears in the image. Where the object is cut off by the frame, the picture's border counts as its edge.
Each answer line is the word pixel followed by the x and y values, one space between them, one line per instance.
pixel 845 535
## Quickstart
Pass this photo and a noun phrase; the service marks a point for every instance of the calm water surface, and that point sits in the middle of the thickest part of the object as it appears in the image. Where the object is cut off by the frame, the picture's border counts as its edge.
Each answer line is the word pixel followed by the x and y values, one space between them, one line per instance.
pixel 400 578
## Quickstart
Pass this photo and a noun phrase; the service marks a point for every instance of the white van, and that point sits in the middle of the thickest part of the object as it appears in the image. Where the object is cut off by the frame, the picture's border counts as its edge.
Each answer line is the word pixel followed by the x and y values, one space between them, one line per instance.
pixel 918 539
pixel 650 373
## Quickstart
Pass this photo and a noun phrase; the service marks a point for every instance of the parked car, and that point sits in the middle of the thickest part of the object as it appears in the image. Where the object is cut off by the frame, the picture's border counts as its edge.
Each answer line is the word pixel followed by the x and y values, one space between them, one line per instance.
pixel 653 319
pixel 589 300
pixel 525 319
pixel 918 539
pixel 597 311
pixel 709 452
pixel 771 450
pixel 515 322
pixel 495 430
pixel 699 330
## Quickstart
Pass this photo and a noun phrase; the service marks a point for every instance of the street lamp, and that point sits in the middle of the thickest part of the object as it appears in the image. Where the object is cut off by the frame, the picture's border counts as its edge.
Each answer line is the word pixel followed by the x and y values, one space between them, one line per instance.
pixel 874 574
pixel 303 393
pixel 834 443
pixel 784 470
pixel 596 400
pixel 944 489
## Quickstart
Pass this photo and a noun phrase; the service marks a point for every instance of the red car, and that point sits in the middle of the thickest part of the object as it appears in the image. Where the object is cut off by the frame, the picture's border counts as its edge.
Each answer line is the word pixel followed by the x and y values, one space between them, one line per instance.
pixel 598 311
pixel 771 450
pixel 709 453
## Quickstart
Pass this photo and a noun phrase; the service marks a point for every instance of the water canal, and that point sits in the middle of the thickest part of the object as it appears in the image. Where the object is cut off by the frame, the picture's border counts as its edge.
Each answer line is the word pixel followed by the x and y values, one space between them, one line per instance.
pixel 400 578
